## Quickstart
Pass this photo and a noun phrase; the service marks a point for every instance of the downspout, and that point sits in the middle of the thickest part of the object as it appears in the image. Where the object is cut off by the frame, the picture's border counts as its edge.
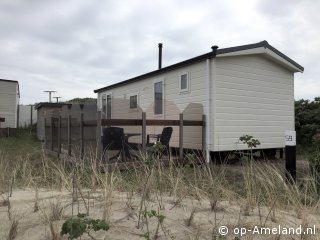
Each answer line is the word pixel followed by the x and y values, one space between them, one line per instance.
pixel 209 100
pixel 208 111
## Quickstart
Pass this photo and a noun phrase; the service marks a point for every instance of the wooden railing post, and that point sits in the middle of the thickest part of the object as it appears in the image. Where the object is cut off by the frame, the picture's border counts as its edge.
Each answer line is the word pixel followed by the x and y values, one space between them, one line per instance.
pixel 51 130
pixel 98 134
pixel 59 134
pixel 181 137
pixel 203 135
pixel 144 133
pixel 45 134
pixel 69 135
pixel 81 137
pixel 31 115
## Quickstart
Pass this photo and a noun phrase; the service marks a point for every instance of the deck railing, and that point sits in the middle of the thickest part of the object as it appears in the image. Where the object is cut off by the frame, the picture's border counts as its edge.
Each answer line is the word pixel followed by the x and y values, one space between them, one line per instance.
pixel 56 126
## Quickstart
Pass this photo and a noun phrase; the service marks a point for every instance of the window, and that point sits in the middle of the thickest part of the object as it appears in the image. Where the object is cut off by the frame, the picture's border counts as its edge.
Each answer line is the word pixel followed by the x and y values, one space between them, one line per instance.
pixel 184 82
pixel 158 98
pixel 109 103
pixel 134 102
pixel 106 106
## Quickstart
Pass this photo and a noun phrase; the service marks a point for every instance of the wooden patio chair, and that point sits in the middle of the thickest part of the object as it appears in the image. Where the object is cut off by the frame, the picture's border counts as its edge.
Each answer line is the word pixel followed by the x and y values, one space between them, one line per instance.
pixel 113 139
pixel 163 138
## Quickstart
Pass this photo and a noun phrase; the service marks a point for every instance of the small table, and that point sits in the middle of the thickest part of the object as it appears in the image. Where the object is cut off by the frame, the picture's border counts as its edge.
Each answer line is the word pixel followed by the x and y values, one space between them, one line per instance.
pixel 128 135
pixel 126 142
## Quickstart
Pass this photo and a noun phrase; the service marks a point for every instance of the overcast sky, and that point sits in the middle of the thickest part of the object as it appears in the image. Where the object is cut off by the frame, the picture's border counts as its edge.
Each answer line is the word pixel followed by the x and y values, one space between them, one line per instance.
pixel 77 46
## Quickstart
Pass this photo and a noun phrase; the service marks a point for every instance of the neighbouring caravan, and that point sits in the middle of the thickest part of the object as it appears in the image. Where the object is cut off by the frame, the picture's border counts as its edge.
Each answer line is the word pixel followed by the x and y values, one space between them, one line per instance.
pixel 9 101
pixel 240 90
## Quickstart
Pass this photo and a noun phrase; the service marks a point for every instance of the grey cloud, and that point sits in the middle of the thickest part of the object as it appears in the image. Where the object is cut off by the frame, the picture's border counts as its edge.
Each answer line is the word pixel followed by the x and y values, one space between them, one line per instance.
pixel 76 46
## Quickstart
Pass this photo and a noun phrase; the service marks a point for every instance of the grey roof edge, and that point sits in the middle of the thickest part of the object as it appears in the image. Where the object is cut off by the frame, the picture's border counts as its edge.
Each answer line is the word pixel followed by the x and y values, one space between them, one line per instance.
pixel 7 80
pixel 13 81
pixel 284 56
pixel 50 104
pixel 199 58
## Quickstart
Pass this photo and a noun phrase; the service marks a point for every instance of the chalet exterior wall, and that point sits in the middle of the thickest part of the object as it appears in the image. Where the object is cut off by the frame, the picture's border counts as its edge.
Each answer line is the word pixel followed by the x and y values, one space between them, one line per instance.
pixel 191 103
pixel 45 111
pixel 48 110
pixel 254 96
pixel 9 100
pixel 242 90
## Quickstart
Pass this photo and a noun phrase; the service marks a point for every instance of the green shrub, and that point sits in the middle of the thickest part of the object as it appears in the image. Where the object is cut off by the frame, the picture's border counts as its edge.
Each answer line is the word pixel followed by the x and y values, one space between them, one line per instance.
pixel 77 226
pixel 315 166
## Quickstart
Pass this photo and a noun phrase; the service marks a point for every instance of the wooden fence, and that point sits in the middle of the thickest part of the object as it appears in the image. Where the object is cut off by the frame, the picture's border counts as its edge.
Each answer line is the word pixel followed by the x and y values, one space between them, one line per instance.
pixel 55 127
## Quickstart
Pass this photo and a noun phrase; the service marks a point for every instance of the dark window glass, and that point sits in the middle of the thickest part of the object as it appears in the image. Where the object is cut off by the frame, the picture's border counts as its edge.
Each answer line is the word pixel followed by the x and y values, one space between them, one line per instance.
pixel 184 82
pixel 108 106
pixel 158 97
pixel 133 102
pixel 104 105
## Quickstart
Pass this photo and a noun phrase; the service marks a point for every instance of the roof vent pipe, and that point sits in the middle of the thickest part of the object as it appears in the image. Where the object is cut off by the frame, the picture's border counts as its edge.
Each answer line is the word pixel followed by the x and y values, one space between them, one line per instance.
pixel 214 50
pixel 160 56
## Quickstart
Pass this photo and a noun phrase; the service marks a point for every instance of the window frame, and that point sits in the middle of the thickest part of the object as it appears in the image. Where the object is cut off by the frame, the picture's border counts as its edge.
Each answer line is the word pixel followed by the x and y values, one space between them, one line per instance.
pixel 132 95
pixel 187 89
pixel 104 102
pixel 154 97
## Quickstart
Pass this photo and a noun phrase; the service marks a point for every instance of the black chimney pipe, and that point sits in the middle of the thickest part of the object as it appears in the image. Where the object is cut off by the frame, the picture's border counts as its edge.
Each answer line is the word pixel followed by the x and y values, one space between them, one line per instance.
pixel 214 50
pixel 160 56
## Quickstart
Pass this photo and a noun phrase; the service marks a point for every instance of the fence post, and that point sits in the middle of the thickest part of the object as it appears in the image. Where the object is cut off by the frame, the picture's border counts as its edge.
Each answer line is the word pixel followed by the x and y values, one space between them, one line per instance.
pixel 81 137
pixel 69 135
pixel 31 115
pixel 181 137
pixel 59 135
pixel 290 152
pixel 98 134
pixel 144 132
pixel 51 130
pixel 45 133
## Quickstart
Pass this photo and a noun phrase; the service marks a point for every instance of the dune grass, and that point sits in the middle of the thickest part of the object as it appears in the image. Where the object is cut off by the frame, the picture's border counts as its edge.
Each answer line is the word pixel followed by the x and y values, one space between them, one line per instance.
pixel 259 189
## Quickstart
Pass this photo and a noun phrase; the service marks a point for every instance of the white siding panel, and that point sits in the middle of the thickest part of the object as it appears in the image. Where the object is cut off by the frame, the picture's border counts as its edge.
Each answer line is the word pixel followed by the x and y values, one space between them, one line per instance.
pixel 232 111
pixel 253 96
pixel 191 104
pixel 227 84
pixel 251 78
pixel 244 123
pixel 260 115
pixel 259 105
pixel 258 62
pixel 8 103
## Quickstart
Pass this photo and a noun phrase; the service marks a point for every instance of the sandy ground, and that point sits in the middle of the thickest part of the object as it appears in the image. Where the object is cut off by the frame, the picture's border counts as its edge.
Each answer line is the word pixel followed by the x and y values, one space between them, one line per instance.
pixel 123 210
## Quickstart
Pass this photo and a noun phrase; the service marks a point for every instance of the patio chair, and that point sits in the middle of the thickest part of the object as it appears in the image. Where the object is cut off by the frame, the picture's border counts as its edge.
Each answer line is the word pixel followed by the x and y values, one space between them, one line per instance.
pixel 113 139
pixel 163 138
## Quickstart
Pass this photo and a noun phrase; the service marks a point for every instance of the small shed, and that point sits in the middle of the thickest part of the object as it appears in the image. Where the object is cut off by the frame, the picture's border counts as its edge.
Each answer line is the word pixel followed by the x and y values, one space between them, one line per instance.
pixel 9 101
pixel 46 110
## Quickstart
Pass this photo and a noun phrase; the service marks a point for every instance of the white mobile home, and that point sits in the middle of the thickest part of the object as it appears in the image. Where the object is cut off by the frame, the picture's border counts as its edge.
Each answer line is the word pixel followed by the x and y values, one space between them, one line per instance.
pixel 9 101
pixel 246 89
